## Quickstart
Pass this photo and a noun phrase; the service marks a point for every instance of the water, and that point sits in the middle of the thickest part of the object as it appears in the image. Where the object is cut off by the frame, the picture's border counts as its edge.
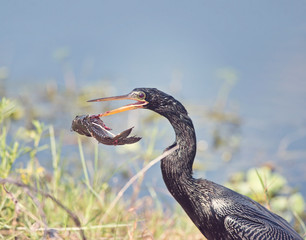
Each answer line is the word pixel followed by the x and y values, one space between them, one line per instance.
pixel 187 49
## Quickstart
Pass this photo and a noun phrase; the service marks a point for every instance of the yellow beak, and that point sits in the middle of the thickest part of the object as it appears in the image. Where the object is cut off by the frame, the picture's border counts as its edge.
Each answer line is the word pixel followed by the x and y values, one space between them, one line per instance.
pixel 136 105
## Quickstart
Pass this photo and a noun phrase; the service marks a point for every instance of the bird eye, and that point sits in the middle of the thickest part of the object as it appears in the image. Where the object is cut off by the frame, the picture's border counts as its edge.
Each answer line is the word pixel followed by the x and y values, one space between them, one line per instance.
pixel 141 95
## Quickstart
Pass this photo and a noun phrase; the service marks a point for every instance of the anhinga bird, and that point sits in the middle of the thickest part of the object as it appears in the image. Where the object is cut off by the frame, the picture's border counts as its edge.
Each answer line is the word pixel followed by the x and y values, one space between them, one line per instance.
pixel 217 211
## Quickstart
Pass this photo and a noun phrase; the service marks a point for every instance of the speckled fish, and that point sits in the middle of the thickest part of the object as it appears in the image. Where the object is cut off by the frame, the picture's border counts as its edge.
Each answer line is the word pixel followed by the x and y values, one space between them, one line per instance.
pixel 93 126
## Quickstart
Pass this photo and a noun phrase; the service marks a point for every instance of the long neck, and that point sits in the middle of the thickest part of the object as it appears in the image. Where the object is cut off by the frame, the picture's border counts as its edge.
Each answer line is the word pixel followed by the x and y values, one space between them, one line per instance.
pixel 177 171
pixel 177 167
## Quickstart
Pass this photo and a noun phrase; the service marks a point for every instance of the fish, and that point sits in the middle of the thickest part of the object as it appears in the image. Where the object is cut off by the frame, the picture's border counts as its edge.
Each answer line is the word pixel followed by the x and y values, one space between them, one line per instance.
pixel 93 126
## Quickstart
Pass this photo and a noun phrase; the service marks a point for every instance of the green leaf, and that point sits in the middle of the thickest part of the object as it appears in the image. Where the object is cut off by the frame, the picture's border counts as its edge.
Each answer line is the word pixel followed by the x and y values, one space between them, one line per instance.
pixel 297 203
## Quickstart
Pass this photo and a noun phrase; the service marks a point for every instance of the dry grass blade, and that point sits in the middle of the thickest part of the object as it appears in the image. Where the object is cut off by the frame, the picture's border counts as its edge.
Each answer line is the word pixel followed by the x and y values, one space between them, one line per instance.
pixel 41 212
pixel 134 178
pixel 32 189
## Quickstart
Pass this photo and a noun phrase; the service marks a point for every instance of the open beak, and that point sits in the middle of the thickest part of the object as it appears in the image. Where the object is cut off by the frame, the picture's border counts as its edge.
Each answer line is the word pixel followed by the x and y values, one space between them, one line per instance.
pixel 136 105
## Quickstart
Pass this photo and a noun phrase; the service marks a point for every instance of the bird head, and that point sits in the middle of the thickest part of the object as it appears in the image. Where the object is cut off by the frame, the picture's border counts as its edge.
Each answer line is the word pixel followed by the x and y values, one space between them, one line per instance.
pixel 146 98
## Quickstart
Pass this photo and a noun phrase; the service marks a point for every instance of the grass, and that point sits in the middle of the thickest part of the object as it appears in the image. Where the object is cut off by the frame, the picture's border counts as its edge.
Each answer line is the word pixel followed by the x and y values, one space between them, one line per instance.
pixel 36 203
pixel 72 203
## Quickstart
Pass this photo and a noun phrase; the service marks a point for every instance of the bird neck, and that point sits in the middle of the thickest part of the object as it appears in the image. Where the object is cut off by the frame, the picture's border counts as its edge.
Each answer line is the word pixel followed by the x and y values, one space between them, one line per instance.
pixel 178 165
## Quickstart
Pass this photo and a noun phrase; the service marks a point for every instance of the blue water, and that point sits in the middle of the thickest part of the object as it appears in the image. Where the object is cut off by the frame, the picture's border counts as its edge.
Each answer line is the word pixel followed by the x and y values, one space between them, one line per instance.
pixel 184 48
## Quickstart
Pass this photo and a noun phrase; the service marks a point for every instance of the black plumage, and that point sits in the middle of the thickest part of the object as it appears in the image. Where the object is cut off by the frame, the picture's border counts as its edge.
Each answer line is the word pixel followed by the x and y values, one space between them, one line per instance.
pixel 217 211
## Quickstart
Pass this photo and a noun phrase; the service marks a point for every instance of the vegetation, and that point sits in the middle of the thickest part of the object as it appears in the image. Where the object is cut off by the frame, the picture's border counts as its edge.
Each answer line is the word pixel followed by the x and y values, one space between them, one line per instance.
pixel 59 185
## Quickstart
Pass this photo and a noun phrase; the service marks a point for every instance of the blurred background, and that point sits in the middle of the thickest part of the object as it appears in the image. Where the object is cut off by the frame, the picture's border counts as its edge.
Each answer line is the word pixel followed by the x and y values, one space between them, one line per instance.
pixel 238 66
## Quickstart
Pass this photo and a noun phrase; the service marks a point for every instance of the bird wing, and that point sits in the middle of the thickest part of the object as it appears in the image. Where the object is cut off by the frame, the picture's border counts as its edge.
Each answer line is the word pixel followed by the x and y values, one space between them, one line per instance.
pixel 246 219
pixel 256 227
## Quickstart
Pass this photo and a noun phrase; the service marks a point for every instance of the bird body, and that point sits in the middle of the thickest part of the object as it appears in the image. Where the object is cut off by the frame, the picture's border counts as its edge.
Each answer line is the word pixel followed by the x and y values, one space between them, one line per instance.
pixel 218 212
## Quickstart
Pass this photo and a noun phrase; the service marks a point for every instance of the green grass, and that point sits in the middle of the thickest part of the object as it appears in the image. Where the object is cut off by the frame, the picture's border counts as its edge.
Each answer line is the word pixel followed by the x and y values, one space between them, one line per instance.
pixel 36 203
pixel 80 202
